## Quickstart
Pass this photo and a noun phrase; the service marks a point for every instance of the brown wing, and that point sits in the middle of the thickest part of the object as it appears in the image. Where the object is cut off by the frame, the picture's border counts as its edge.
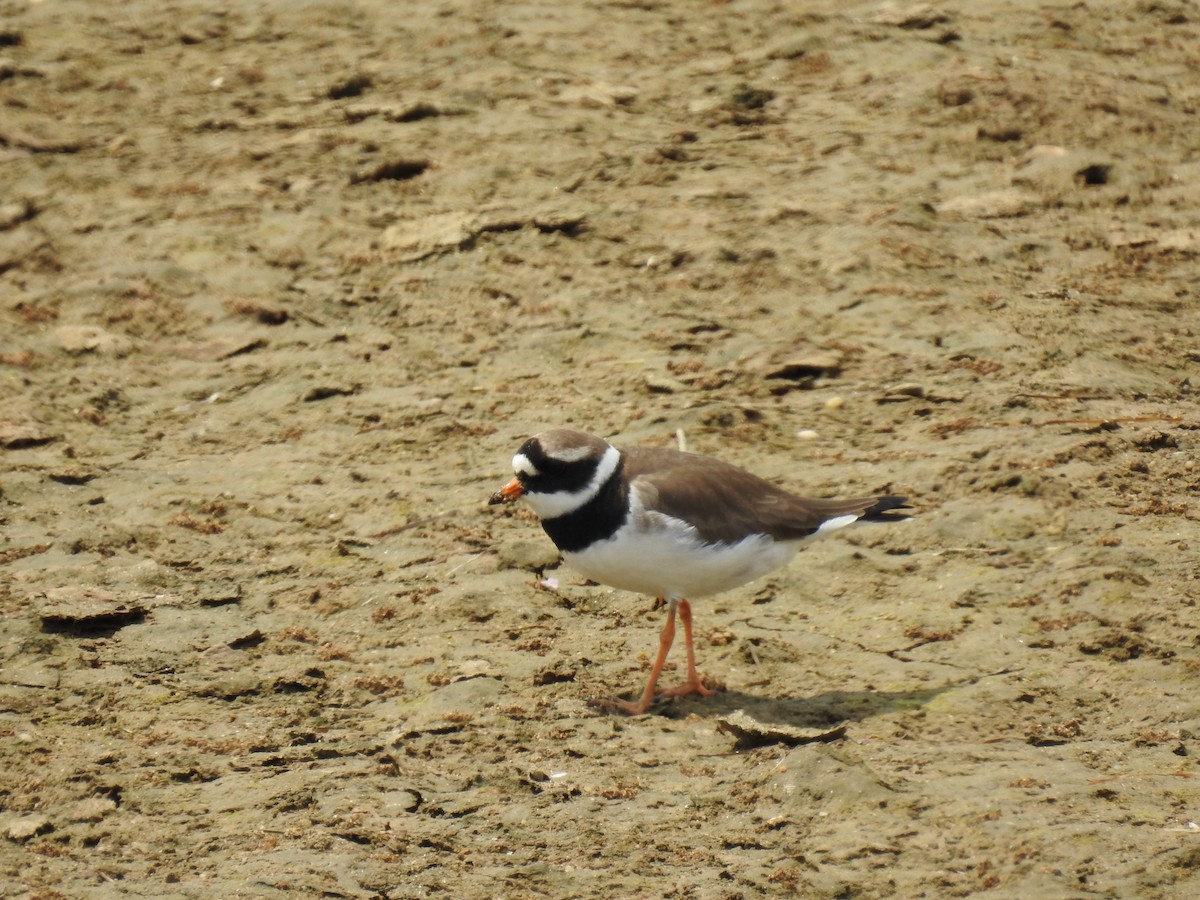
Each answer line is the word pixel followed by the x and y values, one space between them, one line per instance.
pixel 726 504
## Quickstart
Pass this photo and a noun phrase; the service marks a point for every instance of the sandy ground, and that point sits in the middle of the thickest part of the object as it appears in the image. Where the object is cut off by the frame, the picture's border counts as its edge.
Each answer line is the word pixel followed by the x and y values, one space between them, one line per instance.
pixel 282 288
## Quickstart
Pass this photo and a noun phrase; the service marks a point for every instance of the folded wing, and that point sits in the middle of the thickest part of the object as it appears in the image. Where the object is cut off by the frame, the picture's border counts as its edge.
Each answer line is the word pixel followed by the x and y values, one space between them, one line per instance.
pixel 726 504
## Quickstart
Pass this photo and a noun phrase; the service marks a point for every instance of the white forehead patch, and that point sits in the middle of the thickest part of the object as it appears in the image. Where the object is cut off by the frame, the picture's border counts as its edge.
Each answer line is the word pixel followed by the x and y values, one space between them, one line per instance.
pixel 522 466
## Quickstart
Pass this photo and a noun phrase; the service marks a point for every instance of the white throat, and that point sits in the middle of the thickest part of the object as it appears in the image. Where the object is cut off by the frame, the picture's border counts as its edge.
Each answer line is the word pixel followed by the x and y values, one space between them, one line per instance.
pixel 551 506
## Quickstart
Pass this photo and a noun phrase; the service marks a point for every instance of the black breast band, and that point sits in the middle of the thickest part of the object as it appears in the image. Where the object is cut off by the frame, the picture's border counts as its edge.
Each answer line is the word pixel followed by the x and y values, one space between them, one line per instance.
pixel 597 520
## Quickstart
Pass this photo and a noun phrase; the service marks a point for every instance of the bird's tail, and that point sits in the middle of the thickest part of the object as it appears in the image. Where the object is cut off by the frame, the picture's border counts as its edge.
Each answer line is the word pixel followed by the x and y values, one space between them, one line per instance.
pixel 886 509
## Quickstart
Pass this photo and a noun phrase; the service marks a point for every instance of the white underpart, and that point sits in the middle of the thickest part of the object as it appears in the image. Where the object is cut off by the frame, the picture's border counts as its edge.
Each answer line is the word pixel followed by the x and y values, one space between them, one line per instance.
pixel 663 556
pixel 551 506
pixel 834 524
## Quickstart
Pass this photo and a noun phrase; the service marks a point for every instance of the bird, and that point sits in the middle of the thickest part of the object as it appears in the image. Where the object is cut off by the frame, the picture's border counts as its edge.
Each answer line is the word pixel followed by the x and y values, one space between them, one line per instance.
pixel 674 525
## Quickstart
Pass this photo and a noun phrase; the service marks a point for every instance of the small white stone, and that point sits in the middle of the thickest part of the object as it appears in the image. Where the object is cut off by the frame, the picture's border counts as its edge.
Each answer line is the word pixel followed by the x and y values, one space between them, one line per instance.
pixel 835 403
pixel 807 434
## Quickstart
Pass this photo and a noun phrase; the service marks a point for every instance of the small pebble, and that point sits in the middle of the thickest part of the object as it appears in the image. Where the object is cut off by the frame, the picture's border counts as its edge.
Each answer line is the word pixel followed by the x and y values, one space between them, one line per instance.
pixel 807 434
pixel 835 403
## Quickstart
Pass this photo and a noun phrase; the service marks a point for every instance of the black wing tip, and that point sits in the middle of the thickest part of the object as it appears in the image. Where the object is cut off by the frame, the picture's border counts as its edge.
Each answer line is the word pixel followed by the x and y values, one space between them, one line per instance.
pixel 887 509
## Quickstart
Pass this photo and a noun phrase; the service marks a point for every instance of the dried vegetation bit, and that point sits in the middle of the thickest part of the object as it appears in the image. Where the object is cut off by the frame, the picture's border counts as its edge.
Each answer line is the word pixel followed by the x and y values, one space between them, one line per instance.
pixel 978 366
pixel 329 651
pixel 519 713
pixel 265 313
pixel 353 86
pixel 553 676
pixel 25 359
pixel 1123 645
pixel 685 366
pixel 1160 440
pixel 31 314
pixel 381 685
pixel 296 633
pixel 622 790
pixel 1153 737
pixel 746 103
pixel 711 381
pixel 667 154
pixel 1064 623
pixel 1068 729
pixel 928 635
pixel 958 426
pixel 1041 735
pixel 955 94
pixel 418 595
pixel 1157 507
pixel 91 416
pixel 287 435
pixel 213 508
pixel 15 553
pixel 539 645
pixel 1024 603
pixel 721 636
pixel 192 523
pixel 1130 577
pixel 466 429
pixel 790 877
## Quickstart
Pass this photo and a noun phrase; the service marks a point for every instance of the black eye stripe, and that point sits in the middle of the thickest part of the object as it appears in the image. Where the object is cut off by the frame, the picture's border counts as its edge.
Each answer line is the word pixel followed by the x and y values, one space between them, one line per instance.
pixel 532 451
pixel 544 463
pixel 565 481
pixel 554 475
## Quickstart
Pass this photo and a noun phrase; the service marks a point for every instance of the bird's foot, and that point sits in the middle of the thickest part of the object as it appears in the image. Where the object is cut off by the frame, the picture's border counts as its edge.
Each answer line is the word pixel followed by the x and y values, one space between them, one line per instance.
pixel 694 685
pixel 638 707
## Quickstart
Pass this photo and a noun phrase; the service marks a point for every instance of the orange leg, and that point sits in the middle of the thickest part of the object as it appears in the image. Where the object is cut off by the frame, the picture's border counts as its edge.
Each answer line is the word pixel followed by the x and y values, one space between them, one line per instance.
pixel 693 685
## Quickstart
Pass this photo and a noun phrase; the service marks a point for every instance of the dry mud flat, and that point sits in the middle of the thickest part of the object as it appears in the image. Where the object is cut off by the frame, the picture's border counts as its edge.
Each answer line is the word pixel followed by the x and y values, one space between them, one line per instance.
pixel 282 286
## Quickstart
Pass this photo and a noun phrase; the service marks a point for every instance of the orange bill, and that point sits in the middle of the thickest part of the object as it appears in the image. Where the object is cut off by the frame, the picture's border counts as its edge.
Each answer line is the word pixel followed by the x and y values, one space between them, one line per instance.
pixel 507 494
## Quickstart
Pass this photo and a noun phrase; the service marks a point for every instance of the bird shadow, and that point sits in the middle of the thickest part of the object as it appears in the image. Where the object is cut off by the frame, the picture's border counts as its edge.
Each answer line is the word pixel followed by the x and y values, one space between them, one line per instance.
pixel 829 711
